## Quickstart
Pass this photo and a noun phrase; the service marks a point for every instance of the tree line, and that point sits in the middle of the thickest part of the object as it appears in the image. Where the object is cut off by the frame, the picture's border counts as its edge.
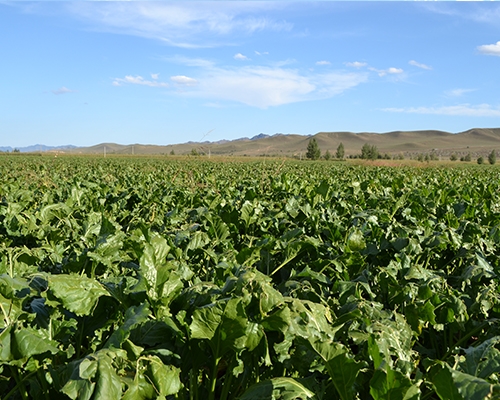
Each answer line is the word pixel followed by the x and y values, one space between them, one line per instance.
pixel 370 152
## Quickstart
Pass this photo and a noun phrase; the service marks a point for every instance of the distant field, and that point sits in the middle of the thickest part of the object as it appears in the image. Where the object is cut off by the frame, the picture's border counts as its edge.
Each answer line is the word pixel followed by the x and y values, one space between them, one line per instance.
pixel 156 277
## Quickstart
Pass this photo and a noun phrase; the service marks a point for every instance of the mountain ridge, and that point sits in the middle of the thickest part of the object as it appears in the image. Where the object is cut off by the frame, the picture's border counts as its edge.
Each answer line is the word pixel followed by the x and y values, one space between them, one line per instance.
pixel 476 141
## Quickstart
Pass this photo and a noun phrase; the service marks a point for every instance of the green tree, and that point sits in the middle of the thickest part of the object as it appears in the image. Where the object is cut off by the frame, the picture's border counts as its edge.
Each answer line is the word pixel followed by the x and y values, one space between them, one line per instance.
pixel 453 157
pixel 340 151
pixel 313 151
pixel 467 157
pixel 480 160
pixel 327 155
pixel 369 152
pixel 492 158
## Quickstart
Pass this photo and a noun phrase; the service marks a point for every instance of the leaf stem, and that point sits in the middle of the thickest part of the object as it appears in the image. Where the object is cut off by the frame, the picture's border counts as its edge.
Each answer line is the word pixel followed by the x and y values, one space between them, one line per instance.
pixel 213 379
pixel 463 339
pixel 228 380
pixel 19 384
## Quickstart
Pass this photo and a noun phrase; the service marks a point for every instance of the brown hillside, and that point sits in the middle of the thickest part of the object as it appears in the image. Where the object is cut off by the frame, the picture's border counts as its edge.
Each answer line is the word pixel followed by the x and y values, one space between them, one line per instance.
pixel 477 141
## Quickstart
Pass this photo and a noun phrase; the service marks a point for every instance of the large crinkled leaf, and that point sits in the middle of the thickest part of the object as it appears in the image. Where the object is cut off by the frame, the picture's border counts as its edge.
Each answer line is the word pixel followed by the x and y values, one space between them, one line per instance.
pixel 391 384
pixel 482 360
pixel 140 388
pixel 133 317
pixel 163 278
pixel 77 293
pixel 451 384
pixel 154 255
pixel 391 342
pixel 49 211
pixel 13 287
pixel 310 319
pixel 232 330
pixel 28 342
pixel 165 378
pixel 108 383
pixel 107 251
pixel 80 386
pixel 95 377
pixel 481 269
pixel 278 389
pixel 222 323
pixel 341 367
pixel 205 321
pixel 279 320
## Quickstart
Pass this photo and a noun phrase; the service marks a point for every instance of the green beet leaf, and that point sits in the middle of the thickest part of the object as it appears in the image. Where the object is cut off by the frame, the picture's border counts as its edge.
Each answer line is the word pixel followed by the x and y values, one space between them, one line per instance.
pixel 134 316
pixel 278 389
pixel 451 384
pixel 482 360
pixel 108 383
pixel 78 294
pixel 165 378
pixel 341 367
pixel 27 342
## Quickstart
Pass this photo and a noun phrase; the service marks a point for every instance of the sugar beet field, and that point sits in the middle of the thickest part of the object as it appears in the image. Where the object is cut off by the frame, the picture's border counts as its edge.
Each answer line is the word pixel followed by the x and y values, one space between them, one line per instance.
pixel 168 279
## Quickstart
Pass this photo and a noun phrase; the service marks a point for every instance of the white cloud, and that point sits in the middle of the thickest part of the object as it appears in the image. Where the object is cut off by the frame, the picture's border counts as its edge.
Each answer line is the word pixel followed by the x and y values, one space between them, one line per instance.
pixel 419 65
pixel 62 90
pixel 138 80
pixel 458 92
pixel 261 53
pixel 323 62
pixel 356 64
pixel 265 87
pixel 180 23
pixel 240 56
pixel 466 110
pixel 183 80
pixel 490 49
pixel 384 72
pixel 191 62
pixel 393 70
pixel 489 14
pixel 155 76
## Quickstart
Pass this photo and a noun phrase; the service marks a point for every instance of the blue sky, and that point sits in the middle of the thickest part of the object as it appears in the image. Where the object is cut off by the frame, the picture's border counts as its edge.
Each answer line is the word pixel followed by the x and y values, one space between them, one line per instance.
pixel 84 73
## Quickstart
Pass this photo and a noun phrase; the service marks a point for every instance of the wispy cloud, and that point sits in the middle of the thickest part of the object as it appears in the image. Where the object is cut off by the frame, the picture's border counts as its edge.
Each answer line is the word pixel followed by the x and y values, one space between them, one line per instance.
pixel 490 49
pixel 388 71
pixel 190 62
pixel 239 56
pixel 419 65
pixel 477 11
pixel 356 64
pixel 259 53
pixel 457 92
pixel 180 24
pixel 465 110
pixel 183 80
pixel 265 87
pixel 62 90
pixel 138 80
pixel 323 62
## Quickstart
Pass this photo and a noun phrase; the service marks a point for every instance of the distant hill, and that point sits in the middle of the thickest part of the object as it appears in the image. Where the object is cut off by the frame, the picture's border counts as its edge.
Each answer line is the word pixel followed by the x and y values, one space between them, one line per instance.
pixel 477 141
pixel 38 148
